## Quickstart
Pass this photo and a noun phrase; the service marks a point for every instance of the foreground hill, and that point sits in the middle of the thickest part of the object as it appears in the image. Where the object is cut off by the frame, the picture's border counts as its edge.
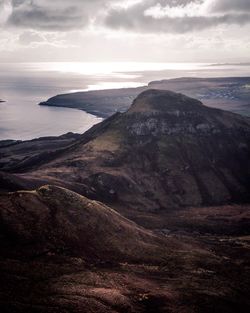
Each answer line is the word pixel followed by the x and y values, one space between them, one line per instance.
pixel 56 220
pixel 61 252
pixel 167 151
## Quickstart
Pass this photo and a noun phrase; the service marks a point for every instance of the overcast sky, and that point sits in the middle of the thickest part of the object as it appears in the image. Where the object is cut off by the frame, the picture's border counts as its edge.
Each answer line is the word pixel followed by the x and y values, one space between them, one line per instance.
pixel 125 30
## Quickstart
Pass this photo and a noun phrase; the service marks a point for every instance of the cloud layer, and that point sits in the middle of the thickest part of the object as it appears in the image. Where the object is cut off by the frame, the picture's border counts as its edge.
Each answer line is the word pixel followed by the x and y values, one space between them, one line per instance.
pixel 154 30
pixel 169 16
pixel 178 16
pixel 51 15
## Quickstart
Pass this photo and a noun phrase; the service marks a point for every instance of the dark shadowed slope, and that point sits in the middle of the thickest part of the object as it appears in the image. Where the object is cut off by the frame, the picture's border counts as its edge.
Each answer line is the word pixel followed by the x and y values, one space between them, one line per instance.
pixel 61 252
pixel 56 220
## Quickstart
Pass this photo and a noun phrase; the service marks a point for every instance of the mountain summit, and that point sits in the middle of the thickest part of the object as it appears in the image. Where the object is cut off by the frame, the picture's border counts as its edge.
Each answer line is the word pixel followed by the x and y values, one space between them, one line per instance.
pixel 165 112
pixel 154 100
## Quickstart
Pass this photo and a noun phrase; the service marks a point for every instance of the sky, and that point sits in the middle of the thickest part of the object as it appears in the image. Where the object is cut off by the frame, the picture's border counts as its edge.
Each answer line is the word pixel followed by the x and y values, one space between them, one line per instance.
pixel 215 31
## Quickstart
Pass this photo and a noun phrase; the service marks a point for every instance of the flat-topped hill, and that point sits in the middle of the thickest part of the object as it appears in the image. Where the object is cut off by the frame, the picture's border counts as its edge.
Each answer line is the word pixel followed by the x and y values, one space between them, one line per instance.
pixel 166 151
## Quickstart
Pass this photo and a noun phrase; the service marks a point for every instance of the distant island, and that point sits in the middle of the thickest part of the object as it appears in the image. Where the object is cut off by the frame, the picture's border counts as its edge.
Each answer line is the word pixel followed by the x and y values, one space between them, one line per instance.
pixel 228 93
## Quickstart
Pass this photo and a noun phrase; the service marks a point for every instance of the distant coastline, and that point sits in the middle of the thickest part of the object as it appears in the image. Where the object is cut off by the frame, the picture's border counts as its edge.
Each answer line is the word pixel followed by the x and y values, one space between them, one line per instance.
pixel 100 103
pixel 228 93
pixel 231 64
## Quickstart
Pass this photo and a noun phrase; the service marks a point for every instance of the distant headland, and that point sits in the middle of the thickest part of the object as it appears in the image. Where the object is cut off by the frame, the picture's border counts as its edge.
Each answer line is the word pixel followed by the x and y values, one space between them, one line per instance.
pixel 227 93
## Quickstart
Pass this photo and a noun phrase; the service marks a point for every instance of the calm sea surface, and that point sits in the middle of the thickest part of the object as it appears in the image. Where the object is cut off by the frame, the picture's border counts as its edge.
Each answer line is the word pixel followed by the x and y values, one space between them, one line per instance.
pixel 24 85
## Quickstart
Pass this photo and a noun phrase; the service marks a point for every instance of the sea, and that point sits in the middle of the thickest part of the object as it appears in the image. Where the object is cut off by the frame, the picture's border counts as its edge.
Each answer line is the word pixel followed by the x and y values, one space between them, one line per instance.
pixel 24 85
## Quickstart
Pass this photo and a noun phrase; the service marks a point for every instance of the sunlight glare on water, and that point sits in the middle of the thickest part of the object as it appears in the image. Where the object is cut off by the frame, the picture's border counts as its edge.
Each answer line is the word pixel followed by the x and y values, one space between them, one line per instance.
pixel 109 68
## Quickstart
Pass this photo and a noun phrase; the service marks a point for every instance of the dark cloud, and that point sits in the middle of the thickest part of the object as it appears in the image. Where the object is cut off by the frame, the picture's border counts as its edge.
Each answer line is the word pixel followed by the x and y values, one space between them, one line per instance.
pixel 52 14
pixel 39 18
pixel 218 12
pixel 231 6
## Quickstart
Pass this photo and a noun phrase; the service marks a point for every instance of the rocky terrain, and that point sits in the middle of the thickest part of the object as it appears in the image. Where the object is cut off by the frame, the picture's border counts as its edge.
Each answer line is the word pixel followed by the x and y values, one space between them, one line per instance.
pixel 148 211
pixel 230 93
